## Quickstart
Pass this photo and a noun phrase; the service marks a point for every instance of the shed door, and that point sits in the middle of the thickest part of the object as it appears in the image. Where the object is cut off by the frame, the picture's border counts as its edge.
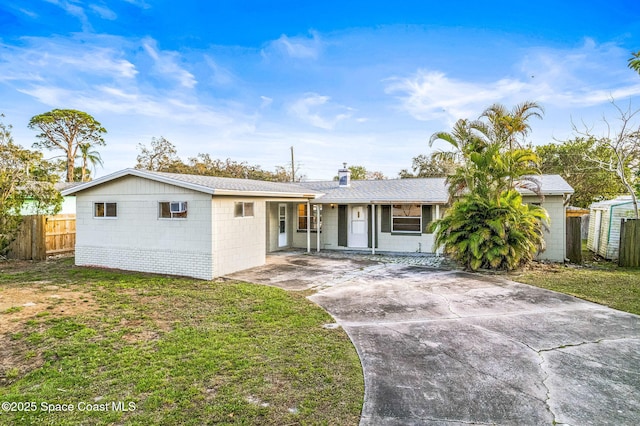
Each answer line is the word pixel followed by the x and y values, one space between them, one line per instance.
pixel 596 235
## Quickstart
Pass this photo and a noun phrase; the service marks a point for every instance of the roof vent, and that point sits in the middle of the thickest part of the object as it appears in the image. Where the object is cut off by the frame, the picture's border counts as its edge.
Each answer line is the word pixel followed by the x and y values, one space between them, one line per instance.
pixel 344 176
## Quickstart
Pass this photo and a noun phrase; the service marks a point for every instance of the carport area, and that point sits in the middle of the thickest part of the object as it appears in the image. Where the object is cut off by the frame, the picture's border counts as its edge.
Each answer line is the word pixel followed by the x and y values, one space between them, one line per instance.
pixel 443 347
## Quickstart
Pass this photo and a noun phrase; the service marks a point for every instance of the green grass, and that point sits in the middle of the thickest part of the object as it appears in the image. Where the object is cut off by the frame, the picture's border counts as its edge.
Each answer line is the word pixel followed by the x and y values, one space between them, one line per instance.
pixel 597 280
pixel 179 351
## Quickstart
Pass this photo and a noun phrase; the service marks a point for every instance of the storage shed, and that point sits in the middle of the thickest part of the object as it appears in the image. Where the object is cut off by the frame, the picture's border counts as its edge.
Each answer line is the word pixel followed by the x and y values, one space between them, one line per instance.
pixel 604 225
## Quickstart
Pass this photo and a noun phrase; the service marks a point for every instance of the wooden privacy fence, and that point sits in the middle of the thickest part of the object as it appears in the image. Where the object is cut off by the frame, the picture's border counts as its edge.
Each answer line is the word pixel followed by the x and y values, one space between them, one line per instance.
pixel 574 239
pixel 41 236
pixel 629 250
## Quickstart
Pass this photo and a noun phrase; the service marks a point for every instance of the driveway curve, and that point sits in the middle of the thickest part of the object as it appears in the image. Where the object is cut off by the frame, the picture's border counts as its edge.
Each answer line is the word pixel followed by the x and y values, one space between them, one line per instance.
pixel 443 347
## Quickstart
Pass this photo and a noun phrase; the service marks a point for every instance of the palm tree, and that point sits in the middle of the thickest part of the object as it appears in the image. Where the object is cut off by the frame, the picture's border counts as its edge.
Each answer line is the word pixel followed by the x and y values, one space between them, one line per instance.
pixel 634 61
pixel 88 157
pixel 505 126
pixel 483 233
pixel 488 226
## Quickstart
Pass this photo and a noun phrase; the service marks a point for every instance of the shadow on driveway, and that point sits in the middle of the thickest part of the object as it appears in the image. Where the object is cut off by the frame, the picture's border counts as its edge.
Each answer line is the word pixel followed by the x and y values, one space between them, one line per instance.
pixel 446 347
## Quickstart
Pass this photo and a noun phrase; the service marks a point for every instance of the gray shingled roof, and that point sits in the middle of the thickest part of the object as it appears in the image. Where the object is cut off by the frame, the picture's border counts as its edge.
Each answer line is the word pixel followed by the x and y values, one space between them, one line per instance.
pixel 551 185
pixel 431 190
pixel 207 184
pixel 234 184
pixel 424 191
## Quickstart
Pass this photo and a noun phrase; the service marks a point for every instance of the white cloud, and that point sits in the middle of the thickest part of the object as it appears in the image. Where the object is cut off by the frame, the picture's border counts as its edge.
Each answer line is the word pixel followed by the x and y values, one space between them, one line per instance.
pixel 167 64
pixel 29 13
pixel 114 100
pixel 266 101
pixel 296 47
pixel 104 12
pixel 74 10
pixel 316 110
pixel 220 76
pixel 54 60
pixel 579 77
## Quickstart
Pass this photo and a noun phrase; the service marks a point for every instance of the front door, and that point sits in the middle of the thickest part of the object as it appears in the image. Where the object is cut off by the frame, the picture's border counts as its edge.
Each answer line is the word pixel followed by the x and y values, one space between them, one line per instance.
pixel 358 226
pixel 282 225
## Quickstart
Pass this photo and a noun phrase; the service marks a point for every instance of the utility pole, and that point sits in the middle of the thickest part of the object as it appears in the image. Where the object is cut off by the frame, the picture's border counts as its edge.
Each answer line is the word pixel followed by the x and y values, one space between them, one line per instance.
pixel 293 167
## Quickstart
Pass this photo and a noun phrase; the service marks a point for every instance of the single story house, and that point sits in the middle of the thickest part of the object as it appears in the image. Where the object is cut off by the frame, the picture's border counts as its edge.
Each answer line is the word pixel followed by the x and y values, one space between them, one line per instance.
pixel 205 227
pixel 68 206
pixel 605 224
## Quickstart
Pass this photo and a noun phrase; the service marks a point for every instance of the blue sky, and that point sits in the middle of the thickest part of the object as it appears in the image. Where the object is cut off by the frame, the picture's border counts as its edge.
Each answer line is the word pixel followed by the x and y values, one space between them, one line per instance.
pixel 365 83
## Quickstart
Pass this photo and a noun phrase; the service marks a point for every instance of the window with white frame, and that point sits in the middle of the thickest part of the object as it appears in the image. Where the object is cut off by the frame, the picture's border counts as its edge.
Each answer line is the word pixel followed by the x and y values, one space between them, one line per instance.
pixel 406 218
pixel 303 217
pixel 105 209
pixel 172 209
pixel 243 209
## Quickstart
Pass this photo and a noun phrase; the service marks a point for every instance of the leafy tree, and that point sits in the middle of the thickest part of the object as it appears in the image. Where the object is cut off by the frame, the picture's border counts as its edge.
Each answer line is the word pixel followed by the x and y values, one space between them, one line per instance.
pixel 438 164
pixel 481 232
pixel 24 175
pixel 621 149
pixel 488 226
pixel 572 160
pixel 161 156
pixel 67 130
pixel 361 173
pixel 203 164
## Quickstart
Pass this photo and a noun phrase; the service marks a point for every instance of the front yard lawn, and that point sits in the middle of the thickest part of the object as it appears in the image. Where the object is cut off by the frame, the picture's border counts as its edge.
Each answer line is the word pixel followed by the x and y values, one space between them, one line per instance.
pixel 597 281
pixel 141 349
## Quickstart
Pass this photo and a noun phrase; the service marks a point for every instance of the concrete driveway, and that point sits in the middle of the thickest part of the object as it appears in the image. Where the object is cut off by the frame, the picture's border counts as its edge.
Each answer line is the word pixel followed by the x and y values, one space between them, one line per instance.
pixel 450 348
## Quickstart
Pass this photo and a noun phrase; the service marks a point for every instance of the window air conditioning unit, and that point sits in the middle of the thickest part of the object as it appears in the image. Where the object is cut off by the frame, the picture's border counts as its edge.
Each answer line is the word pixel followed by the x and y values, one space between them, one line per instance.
pixel 180 207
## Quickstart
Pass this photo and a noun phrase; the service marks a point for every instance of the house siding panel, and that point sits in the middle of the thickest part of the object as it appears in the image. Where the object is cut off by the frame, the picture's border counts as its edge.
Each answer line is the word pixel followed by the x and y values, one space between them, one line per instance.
pixel 555 238
pixel 239 242
pixel 137 239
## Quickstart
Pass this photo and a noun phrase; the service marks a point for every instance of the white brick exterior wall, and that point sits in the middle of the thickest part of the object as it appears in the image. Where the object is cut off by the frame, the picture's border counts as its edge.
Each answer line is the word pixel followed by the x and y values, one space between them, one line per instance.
pixel 238 242
pixel 137 239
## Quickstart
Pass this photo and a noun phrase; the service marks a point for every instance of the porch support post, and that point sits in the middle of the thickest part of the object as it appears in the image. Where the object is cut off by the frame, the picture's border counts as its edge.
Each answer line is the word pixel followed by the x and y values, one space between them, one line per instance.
pixel 309 216
pixel 318 219
pixel 437 213
pixel 373 229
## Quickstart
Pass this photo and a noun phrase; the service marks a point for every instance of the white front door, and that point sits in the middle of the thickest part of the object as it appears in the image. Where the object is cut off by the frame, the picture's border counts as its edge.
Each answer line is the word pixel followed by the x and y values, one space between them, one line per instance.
pixel 282 225
pixel 358 236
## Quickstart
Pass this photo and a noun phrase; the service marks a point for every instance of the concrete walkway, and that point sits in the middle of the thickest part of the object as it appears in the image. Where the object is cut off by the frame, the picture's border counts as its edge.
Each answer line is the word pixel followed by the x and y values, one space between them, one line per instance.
pixel 449 348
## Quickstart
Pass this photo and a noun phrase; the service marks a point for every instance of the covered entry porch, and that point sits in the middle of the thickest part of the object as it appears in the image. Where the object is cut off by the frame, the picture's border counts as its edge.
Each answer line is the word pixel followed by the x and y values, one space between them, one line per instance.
pixel 356 226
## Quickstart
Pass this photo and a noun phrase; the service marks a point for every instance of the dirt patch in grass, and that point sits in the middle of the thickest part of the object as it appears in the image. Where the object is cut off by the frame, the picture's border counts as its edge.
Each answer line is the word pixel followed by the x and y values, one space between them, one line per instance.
pixel 22 309
pixel 19 304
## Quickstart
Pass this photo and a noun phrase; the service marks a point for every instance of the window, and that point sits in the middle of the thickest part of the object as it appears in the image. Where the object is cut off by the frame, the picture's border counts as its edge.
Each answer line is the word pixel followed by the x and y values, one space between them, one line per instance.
pixel 244 210
pixel 172 209
pixel 105 210
pixel 303 217
pixel 406 218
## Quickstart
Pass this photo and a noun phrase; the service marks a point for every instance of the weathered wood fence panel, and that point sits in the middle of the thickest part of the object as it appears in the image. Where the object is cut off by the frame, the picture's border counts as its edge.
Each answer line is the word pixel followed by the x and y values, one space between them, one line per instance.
pixel 60 234
pixel 629 250
pixel 40 236
pixel 574 239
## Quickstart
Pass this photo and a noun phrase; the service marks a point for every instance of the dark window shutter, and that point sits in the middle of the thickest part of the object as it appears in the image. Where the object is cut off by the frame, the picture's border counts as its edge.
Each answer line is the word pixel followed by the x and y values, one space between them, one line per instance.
pixel 426 218
pixel 385 225
pixel 342 225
